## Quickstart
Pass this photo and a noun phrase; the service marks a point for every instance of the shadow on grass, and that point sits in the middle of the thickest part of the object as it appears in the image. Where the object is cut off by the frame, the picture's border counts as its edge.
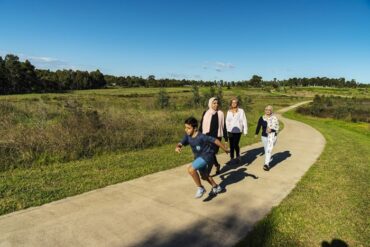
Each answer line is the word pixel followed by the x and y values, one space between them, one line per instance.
pixel 334 243
pixel 264 234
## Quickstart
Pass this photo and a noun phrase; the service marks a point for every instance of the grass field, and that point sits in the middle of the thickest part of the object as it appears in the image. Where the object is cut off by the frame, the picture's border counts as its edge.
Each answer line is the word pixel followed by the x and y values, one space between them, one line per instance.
pixel 59 125
pixel 312 91
pixel 331 202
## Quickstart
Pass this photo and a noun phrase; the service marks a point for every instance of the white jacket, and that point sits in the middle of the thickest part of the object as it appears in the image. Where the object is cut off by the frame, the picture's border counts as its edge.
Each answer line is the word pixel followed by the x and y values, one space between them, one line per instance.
pixel 237 122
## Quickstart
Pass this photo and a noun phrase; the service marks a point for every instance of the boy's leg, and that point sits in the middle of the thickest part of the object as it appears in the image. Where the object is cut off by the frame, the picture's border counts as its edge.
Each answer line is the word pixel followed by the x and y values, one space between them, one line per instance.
pixel 204 173
pixel 194 174
pixel 215 187
pixel 211 181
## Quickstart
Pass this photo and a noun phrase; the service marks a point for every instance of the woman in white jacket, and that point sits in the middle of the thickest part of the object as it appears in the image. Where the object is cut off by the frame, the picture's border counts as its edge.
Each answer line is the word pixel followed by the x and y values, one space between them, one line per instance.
pixel 236 124
pixel 270 127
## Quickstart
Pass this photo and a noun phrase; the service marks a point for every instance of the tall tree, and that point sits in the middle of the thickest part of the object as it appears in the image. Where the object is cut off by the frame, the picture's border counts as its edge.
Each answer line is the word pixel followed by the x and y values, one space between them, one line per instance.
pixel 256 81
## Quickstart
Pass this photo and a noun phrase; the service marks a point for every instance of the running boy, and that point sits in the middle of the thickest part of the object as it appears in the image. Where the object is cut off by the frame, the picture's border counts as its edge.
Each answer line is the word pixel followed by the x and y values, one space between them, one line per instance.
pixel 203 155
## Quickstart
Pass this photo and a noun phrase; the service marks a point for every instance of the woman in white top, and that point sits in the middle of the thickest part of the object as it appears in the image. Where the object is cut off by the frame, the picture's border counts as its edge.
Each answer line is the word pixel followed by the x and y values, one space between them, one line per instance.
pixel 236 124
pixel 270 127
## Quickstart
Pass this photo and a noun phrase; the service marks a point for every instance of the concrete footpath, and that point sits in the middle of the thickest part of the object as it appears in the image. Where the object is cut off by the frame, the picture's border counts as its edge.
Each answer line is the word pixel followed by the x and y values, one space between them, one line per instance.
pixel 159 209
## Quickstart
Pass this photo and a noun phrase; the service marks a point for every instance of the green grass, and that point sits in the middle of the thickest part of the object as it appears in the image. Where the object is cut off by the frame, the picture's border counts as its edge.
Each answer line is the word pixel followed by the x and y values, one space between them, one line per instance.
pixel 344 92
pixel 21 188
pixel 332 199
pixel 41 129
pixel 38 183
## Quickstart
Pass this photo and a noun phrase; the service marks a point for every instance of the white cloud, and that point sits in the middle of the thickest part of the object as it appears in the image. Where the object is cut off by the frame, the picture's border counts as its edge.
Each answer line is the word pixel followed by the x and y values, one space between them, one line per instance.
pixel 184 76
pixel 218 66
pixel 49 63
pixel 221 65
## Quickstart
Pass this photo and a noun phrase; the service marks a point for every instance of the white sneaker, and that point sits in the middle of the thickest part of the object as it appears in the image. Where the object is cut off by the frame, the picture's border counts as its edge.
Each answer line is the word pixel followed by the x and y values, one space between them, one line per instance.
pixel 200 192
pixel 216 190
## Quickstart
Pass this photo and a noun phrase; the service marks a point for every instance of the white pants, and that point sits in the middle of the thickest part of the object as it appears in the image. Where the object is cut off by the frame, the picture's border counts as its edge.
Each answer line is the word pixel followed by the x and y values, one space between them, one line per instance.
pixel 268 144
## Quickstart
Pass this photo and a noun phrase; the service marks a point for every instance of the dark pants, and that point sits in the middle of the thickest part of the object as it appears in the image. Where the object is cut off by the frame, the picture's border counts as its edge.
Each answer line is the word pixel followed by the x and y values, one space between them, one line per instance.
pixel 234 139
pixel 215 161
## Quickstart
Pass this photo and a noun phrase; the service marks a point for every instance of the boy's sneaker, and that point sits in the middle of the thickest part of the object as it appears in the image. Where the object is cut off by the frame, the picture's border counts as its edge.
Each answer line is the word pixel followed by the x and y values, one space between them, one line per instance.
pixel 216 190
pixel 200 192
pixel 266 167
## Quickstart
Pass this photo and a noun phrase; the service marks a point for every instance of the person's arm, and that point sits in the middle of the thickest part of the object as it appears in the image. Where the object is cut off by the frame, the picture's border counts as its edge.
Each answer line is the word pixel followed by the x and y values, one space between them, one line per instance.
pixel 225 132
pixel 245 123
pixel 179 145
pixel 277 125
pixel 178 148
pixel 200 129
pixel 259 124
pixel 222 146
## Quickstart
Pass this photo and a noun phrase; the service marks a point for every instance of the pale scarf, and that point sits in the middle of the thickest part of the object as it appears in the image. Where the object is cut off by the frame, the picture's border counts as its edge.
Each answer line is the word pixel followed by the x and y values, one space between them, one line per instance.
pixel 206 124
pixel 272 123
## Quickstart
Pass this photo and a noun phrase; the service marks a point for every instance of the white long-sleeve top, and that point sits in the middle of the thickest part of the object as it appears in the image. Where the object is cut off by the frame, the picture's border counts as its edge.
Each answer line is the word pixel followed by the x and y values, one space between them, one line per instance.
pixel 236 122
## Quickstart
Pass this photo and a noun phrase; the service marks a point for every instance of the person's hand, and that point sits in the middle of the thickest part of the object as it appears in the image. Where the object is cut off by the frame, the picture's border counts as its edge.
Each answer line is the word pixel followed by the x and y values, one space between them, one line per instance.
pixel 178 149
pixel 268 130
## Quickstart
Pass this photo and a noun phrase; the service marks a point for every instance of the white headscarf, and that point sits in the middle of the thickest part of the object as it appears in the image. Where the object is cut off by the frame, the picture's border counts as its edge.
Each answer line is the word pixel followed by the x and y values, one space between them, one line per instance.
pixel 206 124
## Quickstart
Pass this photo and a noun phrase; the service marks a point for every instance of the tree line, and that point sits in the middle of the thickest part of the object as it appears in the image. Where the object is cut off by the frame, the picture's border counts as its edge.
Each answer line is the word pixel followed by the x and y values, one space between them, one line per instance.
pixel 22 77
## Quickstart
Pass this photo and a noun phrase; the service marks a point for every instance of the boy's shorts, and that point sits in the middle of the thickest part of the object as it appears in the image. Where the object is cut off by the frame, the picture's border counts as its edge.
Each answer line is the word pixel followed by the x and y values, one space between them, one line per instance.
pixel 199 164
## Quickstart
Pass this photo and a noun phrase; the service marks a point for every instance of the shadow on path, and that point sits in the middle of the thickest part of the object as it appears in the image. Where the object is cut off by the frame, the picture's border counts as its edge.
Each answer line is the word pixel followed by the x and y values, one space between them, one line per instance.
pixel 234 177
pixel 279 157
pixel 201 234
pixel 246 158
pixel 229 178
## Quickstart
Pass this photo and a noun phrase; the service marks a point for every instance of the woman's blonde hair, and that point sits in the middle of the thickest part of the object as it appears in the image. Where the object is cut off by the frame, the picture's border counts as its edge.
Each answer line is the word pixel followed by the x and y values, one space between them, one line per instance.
pixel 269 107
pixel 231 101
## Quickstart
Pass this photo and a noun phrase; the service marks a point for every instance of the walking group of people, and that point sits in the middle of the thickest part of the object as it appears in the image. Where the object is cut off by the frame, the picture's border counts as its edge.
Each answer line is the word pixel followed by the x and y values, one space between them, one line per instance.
pixel 205 139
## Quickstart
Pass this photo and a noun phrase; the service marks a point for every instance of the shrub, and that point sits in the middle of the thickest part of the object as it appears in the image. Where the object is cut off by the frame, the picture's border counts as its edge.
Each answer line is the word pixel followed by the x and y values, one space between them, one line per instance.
pixel 163 100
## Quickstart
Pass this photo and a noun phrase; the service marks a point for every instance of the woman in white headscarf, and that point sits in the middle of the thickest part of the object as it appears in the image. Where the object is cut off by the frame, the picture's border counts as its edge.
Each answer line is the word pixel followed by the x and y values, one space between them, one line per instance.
pixel 270 128
pixel 213 124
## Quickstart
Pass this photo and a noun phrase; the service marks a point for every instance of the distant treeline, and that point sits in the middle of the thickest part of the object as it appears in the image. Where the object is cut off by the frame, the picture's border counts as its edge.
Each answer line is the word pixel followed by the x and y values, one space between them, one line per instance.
pixel 22 77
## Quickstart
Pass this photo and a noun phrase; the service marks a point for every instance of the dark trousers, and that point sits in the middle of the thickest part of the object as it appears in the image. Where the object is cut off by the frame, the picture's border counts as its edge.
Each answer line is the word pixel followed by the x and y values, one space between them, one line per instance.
pixel 234 139
pixel 215 161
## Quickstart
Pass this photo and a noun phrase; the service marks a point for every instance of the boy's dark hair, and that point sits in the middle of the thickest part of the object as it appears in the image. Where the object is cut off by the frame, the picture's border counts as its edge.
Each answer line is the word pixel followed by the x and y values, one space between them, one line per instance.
pixel 192 122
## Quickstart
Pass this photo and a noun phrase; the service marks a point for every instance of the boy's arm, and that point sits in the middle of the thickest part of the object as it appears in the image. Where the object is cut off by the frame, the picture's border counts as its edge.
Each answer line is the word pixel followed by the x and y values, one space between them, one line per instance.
pixel 178 148
pixel 222 146
pixel 179 145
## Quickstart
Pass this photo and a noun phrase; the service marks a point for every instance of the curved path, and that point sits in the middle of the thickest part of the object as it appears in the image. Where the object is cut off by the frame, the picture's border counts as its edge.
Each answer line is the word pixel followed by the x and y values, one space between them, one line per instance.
pixel 159 209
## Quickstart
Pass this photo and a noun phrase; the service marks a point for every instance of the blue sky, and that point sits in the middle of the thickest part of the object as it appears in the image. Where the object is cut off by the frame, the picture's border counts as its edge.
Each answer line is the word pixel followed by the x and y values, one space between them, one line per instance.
pixel 208 40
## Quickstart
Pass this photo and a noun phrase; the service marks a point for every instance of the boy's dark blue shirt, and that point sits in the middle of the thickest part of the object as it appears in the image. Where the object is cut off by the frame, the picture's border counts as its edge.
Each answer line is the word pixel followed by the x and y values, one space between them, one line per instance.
pixel 201 146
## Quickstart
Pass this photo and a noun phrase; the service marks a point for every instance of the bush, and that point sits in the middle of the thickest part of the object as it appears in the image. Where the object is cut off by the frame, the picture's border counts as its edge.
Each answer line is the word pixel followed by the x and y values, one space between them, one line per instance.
pixel 163 100
pixel 349 109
